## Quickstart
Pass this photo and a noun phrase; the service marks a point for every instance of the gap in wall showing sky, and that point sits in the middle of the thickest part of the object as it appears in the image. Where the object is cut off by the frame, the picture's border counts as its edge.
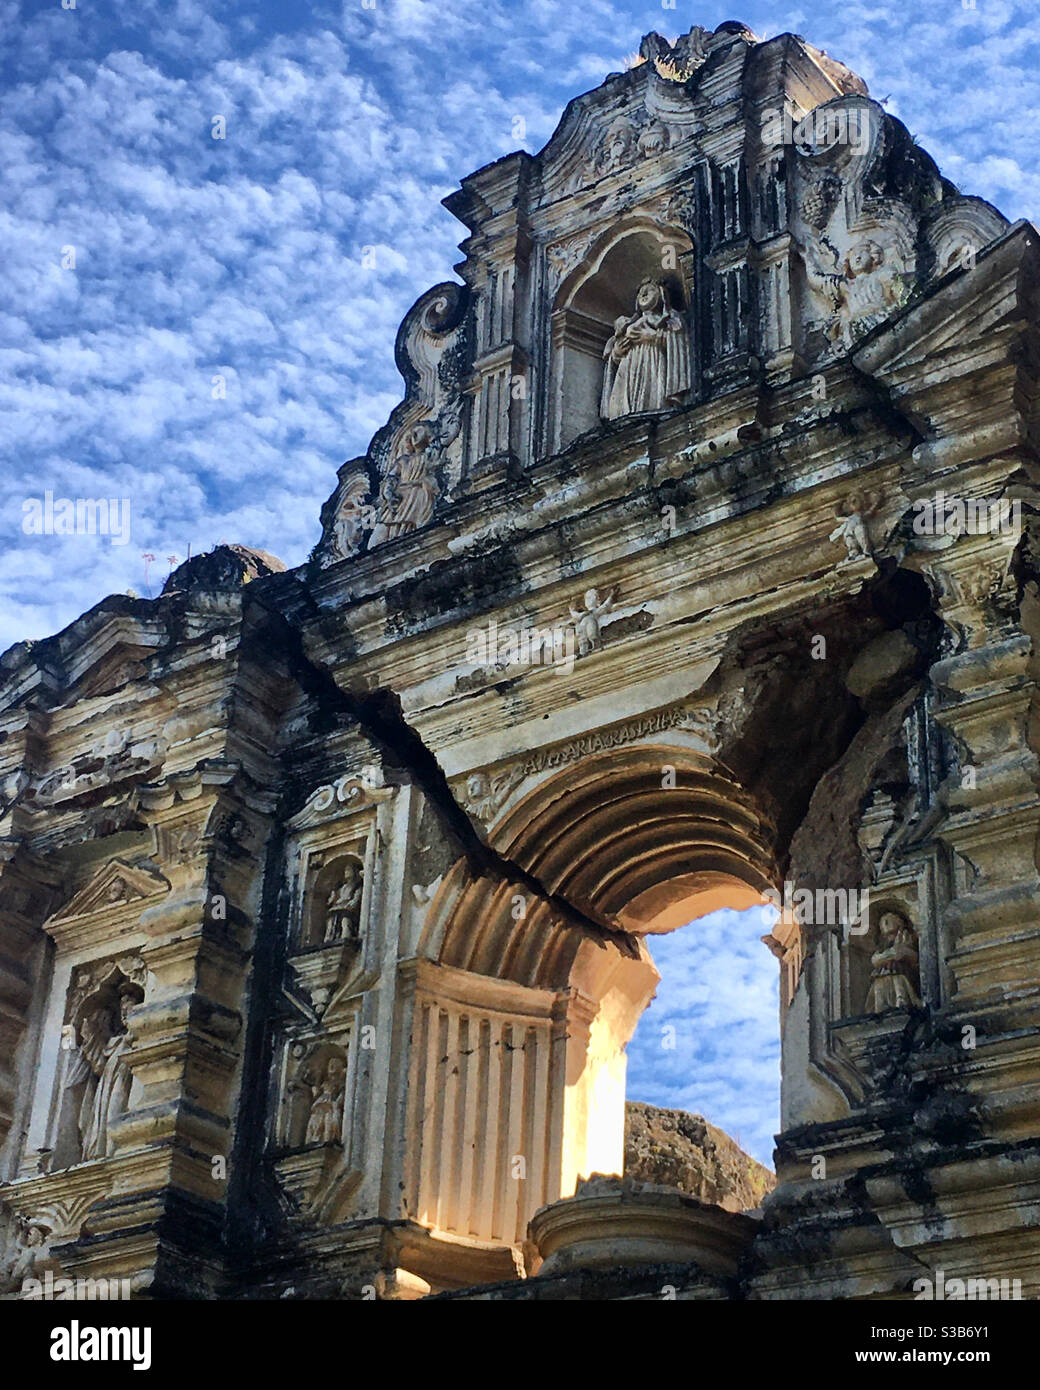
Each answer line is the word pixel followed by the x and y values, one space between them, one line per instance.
pixel 709 1043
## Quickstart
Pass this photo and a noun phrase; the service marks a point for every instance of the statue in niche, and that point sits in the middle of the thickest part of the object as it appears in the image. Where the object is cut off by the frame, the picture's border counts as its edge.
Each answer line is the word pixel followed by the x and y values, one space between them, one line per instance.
pixel 325 1121
pixel 343 910
pixel 647 357
pixel 100 1066
pixel 863 295
pixel 587 621
pixel 894 972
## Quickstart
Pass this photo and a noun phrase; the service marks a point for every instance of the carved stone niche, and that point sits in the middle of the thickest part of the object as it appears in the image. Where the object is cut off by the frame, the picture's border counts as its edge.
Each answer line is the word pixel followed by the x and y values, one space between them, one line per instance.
pixel 328 936
pixel 93 1083
pixel 311 1118
pixel 333 899
pixel 636 280
pixel 880 981
pixel 313 1097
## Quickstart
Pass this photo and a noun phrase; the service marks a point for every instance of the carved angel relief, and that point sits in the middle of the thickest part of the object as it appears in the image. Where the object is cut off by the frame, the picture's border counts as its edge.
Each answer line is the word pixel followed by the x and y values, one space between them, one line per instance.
pixel 411 487
pixel 852 528
pixel 487 793
pixel 586 620
pixel 862 292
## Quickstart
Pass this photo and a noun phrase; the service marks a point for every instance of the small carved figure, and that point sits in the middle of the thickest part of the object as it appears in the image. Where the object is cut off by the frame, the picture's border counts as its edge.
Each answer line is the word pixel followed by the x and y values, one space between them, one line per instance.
pixel 343 914
pixel 479 797
pixel 894 976
pixel 112 1092
pixel 586 622
pixel 617 147
pixel 27 1261
pixel 325 1122
pixel 116 892
pixel 852 530
pixel 409 491
pixel 486 795
pixel 350 520
pixel 647 357
pixel 862 296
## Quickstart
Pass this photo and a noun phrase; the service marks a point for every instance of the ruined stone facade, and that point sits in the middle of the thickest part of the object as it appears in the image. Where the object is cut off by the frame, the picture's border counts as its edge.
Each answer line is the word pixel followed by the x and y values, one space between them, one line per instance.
pixel 325 897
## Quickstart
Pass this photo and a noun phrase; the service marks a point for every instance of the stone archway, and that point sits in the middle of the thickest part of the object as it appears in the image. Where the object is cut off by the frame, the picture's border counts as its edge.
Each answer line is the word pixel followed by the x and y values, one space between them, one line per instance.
pixel 531 987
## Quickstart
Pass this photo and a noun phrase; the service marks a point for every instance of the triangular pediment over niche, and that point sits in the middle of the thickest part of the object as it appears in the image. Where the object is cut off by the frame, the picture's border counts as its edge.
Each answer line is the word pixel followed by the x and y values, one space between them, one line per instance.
pixel 112 887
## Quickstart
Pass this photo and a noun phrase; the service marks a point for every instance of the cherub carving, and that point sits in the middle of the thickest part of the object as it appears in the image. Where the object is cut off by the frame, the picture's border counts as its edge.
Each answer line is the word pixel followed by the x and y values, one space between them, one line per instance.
pixel 343 914
pixel 587 621
pixel 852 529
pixel 894 975
pixel 647 357
pixel 863 295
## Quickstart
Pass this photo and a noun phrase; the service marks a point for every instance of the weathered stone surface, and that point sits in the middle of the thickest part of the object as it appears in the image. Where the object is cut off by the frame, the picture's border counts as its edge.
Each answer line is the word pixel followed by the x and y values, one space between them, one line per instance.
pixel 328 897
pixel 684 1151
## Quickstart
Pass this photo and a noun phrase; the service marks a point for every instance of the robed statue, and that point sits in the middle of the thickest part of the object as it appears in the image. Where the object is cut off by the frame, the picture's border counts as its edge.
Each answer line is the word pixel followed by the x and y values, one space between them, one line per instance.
pixel 647 357
pixel 894 969
pixel 101 1066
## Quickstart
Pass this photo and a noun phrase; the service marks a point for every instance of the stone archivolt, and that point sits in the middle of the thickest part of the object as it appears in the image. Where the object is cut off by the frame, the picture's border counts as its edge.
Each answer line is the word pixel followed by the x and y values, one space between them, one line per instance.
pixel 320 948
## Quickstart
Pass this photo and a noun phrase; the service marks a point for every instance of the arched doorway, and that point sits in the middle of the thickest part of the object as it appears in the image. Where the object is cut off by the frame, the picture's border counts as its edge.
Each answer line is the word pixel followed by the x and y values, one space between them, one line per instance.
pixel 527 988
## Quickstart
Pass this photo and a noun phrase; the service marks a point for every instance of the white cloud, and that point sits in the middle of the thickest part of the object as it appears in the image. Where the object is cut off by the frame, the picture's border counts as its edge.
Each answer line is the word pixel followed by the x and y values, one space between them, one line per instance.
pixel 709 1042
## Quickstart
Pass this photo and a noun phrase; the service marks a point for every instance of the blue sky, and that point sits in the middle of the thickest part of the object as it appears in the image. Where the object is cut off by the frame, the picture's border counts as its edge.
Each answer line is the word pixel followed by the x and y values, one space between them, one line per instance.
pixel 244 257
pixel 247 258
pixel 710 1041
